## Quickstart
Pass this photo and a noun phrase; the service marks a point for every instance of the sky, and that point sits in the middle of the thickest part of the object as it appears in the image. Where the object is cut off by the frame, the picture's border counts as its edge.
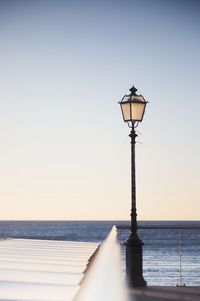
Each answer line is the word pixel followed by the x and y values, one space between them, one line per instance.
pixel 65 150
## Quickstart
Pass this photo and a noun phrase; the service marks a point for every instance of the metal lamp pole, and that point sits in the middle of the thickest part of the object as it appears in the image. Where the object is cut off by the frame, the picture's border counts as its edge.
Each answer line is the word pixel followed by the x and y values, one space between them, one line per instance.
pixel 133 243
pixel 133 107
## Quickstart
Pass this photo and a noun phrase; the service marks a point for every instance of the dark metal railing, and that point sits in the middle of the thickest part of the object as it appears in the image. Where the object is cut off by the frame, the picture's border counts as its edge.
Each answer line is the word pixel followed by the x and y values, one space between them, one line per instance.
pixel 171 256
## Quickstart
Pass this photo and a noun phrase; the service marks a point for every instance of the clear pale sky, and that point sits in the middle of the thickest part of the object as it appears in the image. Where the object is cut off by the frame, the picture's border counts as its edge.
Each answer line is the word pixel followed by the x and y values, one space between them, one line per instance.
pixel 65 150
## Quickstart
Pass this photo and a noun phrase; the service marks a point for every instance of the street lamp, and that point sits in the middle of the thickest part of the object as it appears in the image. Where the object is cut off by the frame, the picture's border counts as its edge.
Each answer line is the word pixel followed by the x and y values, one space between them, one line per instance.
pixel 133 108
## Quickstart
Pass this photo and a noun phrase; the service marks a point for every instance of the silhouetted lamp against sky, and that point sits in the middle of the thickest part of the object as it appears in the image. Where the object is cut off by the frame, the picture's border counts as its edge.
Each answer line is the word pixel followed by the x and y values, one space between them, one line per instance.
pixel 133 108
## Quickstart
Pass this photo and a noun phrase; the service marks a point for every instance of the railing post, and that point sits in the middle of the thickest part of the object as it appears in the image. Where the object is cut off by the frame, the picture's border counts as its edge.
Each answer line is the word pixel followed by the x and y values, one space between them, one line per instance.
pixel 180 263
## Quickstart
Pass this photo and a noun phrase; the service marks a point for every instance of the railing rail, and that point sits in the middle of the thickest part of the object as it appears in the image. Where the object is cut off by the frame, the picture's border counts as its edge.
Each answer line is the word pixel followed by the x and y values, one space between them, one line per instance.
pixel 173 259
pixel 103 280
pixel 160 227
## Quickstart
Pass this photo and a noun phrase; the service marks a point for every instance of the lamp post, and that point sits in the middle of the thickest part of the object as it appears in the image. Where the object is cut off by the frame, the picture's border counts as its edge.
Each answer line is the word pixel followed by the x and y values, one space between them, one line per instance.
pixel 133 108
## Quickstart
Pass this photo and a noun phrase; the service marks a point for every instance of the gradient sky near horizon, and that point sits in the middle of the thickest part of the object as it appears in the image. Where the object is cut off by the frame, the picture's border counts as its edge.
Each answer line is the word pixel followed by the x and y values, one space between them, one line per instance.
pixel 65 150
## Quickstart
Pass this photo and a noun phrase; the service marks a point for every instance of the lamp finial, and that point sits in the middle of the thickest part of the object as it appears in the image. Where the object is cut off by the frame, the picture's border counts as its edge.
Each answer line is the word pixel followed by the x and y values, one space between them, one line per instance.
pixel 133 90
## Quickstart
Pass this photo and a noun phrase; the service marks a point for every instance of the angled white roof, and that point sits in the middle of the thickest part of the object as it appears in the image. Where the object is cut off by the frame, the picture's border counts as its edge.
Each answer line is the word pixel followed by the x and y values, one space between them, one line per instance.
pixel 42 269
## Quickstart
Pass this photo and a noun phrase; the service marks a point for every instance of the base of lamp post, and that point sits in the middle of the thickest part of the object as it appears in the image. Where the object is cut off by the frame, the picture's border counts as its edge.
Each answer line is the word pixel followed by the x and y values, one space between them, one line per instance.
pixel 134 261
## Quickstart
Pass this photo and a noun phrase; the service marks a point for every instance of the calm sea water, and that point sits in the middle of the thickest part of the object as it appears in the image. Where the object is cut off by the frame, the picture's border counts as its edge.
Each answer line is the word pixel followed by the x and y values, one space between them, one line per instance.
pixel 161 251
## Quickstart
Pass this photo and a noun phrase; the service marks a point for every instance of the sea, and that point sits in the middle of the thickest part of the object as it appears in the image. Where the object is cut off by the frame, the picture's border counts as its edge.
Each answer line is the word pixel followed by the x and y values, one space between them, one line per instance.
pixel 170 256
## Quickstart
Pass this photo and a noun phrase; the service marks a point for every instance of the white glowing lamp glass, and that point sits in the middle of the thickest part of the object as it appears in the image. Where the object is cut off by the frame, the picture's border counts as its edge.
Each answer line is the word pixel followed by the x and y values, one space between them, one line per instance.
pixel 133 107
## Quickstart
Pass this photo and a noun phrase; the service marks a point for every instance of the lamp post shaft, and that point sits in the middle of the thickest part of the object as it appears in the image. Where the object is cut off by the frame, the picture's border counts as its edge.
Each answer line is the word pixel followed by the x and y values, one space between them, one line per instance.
pixel 134 244
pixel 133 227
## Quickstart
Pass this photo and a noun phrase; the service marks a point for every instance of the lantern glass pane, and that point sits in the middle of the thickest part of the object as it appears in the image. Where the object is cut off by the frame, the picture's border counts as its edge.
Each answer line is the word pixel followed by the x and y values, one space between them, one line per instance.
pixel 137 110
pixel 126 111
pixel 137 98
